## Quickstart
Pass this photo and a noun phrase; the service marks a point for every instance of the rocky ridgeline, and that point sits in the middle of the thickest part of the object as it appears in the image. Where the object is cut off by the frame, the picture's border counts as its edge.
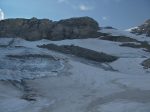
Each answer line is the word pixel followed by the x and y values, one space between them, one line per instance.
pixel 36 29
pixel 143 29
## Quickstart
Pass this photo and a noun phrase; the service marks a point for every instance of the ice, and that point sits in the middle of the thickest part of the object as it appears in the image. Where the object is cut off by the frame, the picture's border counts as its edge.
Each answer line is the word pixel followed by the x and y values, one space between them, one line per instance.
pixel 116 32
pixel 68 84
pixel 124 106
pixel 108 47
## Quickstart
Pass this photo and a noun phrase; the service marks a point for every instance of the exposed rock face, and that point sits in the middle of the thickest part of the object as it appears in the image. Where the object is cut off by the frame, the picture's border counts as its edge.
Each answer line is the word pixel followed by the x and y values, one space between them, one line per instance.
pixel 146 63
pixel 108 27
pixel 35 29
pixel 143 45
pixel 81 52
pixel 118 38
pixel 143 29
pixel 30 29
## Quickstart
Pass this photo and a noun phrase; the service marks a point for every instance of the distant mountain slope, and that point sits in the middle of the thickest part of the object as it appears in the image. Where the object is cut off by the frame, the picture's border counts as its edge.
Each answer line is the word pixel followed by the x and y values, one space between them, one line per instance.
pixel 126 33
pixel 143 29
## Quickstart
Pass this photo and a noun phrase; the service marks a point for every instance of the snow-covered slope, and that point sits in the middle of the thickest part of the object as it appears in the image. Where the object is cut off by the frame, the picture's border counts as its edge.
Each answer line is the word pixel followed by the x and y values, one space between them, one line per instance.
pixel 130 29
pixel 35 79
pixel 117 32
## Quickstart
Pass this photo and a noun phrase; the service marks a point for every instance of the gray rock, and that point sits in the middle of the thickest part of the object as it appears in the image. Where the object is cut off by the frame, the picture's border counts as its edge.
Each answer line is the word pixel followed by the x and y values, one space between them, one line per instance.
pixel 143 29
pixel 30 29
pixel 36 29
pixel 81 52
pixel 118 38
pixel 146 63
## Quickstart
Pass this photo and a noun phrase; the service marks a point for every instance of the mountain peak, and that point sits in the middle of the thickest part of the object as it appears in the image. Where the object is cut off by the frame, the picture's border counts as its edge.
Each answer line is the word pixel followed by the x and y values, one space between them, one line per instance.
pixel 143 29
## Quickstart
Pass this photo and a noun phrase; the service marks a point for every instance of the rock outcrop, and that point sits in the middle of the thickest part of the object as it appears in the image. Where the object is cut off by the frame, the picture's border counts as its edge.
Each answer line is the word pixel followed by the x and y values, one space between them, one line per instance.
pixel 143 29
pixel 36 29
pixel 81 52
pixel 118 38
pixel 146 63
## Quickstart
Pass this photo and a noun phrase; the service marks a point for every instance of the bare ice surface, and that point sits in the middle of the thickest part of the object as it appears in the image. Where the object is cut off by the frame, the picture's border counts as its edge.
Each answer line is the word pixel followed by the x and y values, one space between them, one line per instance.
pixel 34 79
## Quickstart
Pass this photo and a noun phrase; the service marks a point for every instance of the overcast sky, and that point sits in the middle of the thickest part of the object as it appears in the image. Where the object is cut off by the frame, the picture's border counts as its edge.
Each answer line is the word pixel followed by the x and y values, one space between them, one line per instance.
pixel 121 14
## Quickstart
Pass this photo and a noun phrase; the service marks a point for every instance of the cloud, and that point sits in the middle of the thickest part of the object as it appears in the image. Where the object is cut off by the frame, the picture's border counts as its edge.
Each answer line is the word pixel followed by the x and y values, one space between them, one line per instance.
pixel 67 2
pixel 1 14
pixel 83 7
pixel 104 18
pixel 62 1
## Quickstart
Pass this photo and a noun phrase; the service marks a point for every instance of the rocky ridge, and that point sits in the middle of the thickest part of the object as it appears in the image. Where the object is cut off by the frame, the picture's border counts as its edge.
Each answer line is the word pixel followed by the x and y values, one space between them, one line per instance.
pixel 143 29
pixel 36 29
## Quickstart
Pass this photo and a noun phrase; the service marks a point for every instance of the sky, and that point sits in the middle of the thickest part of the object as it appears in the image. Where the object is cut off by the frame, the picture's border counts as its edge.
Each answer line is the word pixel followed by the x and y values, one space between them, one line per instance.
pixel 121 14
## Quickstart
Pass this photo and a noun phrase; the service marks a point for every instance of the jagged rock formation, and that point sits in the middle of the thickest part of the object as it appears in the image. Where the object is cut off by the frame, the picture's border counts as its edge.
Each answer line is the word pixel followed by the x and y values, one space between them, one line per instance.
pixel 35 29
pixel 143 29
